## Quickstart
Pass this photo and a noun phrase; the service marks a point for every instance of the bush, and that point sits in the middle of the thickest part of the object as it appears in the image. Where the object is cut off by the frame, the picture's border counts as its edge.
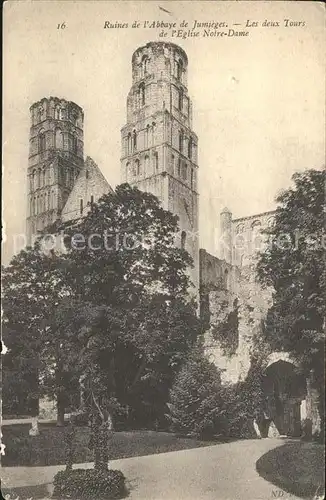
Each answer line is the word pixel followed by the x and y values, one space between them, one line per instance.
pixel 195 398
pixel 89 483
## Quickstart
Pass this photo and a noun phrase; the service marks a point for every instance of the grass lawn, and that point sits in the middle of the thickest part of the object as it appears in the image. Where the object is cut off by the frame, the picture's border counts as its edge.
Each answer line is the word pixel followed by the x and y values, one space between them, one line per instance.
pixel 49 447
pixel 296 467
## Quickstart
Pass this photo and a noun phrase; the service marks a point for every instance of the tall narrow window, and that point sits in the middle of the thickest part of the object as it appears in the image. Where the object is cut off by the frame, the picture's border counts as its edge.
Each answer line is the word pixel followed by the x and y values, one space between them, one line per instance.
pixel 40 114
pixel 81 206
pixel 57 113
pixel 153 134
pixel 58 139
pixel 190 148
pixel 180 99
pixel 129 143
pixel 155 161
pixel 34 184
pixel 74 144
pixel 183 240
pixel 146 165
pixel 172 163
pixel 184 171
pixel 142 94
pixel 181 141
pixel 41 141
pixel 134 140
pixel 147 136
pixel 39 178
pixel 179 167
pixel 144 66
pixel 179 66
pixel 192 177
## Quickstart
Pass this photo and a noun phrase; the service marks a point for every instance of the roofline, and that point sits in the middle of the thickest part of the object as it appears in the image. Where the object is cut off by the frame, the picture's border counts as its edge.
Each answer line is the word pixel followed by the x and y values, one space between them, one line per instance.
pixel 254 216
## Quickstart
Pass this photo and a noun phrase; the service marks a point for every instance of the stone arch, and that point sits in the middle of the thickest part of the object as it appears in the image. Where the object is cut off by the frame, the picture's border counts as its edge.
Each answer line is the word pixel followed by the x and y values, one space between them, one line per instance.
pixel 284 389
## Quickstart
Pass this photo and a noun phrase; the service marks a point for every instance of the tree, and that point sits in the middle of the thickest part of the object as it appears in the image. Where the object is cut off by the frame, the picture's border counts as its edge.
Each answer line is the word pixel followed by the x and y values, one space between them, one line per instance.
pixel 119 315
pixel 38 360
pixel 134 322
pixel 293 264
pixel 196 405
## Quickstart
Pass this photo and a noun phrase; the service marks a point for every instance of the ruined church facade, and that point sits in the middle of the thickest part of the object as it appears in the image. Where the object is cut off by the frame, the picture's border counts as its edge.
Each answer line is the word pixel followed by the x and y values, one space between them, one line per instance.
pixel 159 154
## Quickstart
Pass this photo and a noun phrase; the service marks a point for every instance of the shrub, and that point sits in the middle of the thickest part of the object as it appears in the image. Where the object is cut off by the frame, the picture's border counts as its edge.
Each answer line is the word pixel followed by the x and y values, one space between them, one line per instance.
pixel 89 483
pixel 195 404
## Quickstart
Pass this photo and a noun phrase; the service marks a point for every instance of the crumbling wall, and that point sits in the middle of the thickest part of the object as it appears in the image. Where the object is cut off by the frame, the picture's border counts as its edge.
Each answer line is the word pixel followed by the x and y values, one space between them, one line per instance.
pixel 233 307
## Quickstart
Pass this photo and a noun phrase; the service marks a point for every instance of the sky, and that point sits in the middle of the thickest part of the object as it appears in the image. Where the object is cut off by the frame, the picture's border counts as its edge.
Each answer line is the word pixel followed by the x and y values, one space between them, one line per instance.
pixel 258 100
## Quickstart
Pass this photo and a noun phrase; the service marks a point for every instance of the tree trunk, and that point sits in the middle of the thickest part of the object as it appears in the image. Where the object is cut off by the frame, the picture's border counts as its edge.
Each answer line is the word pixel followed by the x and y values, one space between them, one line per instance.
pixel 60 409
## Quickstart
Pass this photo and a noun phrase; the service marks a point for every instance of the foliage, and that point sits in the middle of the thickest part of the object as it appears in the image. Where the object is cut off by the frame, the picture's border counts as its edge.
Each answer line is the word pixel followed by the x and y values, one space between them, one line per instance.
pixel 195 400
pixel 114 315
pixel 293 264
pixel 226 330
pixel 243 402
pixel 89 483
pixel 36 364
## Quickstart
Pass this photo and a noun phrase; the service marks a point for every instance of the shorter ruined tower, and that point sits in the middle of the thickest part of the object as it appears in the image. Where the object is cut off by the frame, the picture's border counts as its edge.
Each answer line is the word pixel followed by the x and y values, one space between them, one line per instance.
pixel 56 156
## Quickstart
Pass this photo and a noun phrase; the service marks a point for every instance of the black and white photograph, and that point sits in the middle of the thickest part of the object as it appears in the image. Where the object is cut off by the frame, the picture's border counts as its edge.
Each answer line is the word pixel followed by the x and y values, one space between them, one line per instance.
pixel 163 250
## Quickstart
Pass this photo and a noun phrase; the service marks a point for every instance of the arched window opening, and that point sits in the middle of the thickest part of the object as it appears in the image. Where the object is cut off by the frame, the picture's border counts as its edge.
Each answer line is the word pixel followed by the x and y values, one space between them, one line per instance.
pixel 43 177
pixel 49 200
pixel 172 163
pixel 153 133
pixel 134 140
pixel 181 139
pixel 190 148
pixel 180 99
pixel 179 67
pixel 40 114
pixel 183 239
pixel 62 114
pixel 58 139
pixel 81 206
pixel 142 94
pixel 41 141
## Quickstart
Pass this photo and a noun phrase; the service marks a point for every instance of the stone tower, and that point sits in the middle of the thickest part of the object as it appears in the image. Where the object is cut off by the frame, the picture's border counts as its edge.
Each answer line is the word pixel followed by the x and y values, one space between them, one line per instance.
pixel 159 147
pixel 56 155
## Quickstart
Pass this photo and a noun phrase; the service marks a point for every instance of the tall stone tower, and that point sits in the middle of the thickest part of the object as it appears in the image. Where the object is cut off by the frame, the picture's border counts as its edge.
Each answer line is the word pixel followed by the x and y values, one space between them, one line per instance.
pixel 159 147
pixel 56 156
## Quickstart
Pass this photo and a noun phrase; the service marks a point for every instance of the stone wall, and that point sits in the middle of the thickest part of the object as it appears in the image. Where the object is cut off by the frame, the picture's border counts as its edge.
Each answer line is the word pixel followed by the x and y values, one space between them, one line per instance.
pixel 234 306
